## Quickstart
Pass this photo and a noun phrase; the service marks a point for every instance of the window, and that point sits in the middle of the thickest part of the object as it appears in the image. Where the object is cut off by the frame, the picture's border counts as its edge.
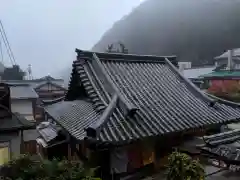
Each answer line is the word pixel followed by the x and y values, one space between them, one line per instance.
pixel 4 153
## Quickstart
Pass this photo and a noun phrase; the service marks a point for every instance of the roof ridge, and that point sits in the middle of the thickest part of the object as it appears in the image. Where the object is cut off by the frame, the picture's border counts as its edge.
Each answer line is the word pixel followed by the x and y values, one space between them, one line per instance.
pixel 127 57
pixel 108 85
pixel 94 129
pixel 50 82
pixel 50 102
pixel 190 84
pixel 127 107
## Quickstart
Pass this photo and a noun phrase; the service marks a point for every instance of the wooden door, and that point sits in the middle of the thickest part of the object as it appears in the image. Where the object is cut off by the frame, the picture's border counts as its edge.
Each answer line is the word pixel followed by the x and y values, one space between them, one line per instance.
pixel 30 147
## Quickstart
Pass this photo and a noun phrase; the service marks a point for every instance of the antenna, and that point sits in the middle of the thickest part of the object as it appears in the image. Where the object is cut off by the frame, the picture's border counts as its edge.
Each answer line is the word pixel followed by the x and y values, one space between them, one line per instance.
pixel 30 77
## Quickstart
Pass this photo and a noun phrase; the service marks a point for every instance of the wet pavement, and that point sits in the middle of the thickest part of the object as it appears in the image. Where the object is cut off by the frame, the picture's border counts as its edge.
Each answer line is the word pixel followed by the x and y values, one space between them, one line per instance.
pixel 223 175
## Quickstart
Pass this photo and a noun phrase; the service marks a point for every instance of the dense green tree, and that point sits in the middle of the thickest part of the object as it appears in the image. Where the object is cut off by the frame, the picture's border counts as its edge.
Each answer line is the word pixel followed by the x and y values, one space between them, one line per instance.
pixel 28 168
pixel 183 167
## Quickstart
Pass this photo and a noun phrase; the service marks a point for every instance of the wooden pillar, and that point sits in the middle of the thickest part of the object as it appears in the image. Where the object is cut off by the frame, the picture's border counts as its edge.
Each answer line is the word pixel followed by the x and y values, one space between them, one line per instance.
pixel 78 152
pixel 21 142
pixel 69 152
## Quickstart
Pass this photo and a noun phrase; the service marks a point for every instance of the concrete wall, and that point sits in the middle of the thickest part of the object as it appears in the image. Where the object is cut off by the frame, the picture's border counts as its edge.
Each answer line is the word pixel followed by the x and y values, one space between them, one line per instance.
pixel 15 141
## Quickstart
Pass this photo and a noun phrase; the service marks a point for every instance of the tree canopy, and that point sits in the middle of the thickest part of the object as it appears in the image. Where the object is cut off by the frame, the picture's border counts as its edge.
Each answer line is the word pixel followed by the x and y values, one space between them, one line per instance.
pixel 29 168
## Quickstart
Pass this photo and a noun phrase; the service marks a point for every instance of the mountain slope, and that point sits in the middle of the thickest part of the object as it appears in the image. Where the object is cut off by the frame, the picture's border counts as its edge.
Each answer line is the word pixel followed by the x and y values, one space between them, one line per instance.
pixel 194 30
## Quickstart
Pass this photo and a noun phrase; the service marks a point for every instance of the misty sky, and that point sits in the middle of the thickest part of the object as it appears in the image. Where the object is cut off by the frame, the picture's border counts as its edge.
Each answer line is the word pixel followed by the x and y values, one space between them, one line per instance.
pixel 45 33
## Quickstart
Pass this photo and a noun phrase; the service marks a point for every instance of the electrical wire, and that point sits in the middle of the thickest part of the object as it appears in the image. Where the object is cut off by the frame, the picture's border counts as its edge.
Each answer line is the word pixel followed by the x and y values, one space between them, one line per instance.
pixel 1 51
pixel 7 44
pixel 10 57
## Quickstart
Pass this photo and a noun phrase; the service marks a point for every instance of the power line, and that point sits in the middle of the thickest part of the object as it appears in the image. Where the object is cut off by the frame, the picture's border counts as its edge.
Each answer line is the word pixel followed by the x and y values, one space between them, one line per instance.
pixel 5 40
pixel 1 51
pixel 5 35
pixel 10 57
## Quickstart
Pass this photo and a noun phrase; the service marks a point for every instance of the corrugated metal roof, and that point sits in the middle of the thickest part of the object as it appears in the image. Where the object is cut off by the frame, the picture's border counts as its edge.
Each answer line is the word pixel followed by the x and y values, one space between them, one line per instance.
pixel 22 92
pixel 166 102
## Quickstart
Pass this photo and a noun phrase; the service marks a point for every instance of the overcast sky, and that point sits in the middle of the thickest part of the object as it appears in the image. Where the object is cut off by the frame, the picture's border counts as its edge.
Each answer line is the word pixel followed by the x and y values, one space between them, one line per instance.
pixel 45 33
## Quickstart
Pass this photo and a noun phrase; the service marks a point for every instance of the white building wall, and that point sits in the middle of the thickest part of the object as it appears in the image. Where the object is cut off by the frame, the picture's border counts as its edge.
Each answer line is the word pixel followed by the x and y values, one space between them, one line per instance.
pixel 23 107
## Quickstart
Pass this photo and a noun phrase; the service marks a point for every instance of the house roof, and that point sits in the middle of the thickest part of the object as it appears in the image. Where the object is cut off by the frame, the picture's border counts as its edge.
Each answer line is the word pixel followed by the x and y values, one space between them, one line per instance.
pixel 222 74
pixel 74 116
pixel 22 92
pixel 236 54
pixel 35 82
pixel 50 102
pixel 196 72
pixel 50 83
pixel 15 122
pixel 47 78
pixel 139 96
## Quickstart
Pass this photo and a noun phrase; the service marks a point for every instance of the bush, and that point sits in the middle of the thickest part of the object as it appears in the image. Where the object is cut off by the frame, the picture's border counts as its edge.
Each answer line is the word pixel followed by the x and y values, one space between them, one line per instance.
pixel 183 167
pixel 27 168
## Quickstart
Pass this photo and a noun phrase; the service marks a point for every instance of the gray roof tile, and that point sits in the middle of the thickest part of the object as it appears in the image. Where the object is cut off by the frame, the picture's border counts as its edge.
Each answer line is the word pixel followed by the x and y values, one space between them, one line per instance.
pixel 165 101
pixel 74 116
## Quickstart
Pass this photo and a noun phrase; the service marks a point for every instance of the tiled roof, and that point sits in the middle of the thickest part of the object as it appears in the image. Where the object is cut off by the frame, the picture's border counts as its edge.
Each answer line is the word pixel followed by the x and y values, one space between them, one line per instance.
pixel 153 98
pixel 22 92
pixel 227 137
pixel 50 102
pixel 74 116
pixel 48 132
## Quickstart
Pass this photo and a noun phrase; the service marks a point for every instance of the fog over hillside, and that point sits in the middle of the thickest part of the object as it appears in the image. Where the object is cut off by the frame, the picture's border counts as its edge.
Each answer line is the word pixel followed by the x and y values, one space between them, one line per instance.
pixel 194 30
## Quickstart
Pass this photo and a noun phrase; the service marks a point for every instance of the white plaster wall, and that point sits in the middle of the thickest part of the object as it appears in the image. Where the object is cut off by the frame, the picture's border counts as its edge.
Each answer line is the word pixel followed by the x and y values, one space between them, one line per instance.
pixel 22 106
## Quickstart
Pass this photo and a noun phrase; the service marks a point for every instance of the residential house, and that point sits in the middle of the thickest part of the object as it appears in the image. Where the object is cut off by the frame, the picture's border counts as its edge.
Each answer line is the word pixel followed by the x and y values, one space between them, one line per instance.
pixel 12 127
pixel 222 60
pixel 24 101
pixel 194 74
pixel 47 88
pixel 127 111
pixel 50 88
pixel 225 78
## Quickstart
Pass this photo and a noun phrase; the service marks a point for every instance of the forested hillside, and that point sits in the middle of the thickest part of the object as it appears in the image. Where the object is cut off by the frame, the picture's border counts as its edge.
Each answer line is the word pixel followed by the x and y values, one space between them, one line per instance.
pixel 194 30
